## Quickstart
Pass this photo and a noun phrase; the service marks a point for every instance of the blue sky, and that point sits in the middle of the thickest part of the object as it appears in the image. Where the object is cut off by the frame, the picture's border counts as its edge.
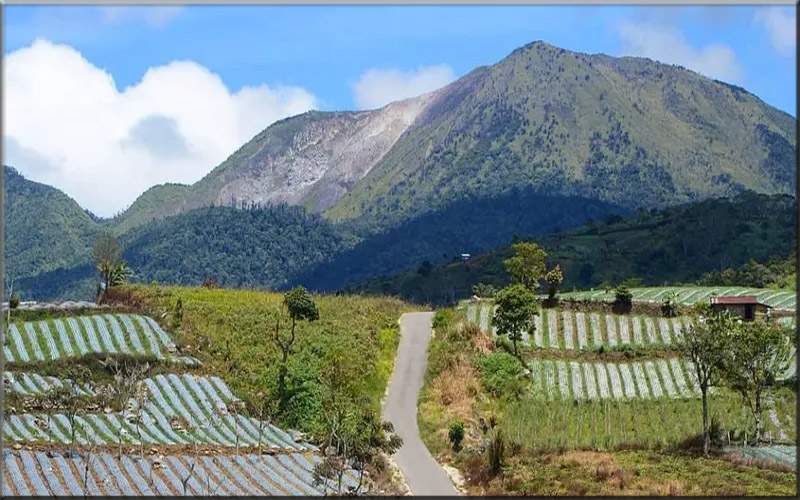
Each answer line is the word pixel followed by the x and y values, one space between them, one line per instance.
pixel 273 61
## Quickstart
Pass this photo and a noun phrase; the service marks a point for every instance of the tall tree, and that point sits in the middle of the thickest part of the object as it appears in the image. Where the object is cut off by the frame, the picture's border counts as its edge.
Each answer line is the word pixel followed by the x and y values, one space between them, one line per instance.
pixel 300 305
pixel 105 254
pixel 516 306
pixel 757 356
pixel 527 265
pixel 704 343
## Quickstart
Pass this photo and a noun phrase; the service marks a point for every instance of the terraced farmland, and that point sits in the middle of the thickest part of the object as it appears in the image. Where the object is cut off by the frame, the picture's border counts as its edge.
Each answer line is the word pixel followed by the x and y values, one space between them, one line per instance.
pixel 58 338
pixel 557 329
pixel 655 379
pixel 181 409
pixel 689 295
pixel 171 414
pixel 58 474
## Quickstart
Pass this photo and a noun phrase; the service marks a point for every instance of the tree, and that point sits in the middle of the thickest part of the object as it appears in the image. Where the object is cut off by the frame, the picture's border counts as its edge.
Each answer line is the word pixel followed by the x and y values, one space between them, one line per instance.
pixel 354 435
pixel 758 354
pixel 484 290
pixel 105 254
pixel 704 342
pixel 527 265
pixel 516 306
pixel 300 305
pixel 554 277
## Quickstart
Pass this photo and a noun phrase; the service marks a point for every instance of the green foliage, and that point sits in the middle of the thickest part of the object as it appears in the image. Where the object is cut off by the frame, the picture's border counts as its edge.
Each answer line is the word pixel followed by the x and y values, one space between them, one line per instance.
pixel 527 266
pixel 500 374
pixel 301 304
pixel 496 452
pixel 554 277
pixel 776 272
pixel 623 295
pixel 755 356
pixel 443 319
pixel 484 290
pixel 229 332
pixel 456 434
pixel 13 301
pixel 516 306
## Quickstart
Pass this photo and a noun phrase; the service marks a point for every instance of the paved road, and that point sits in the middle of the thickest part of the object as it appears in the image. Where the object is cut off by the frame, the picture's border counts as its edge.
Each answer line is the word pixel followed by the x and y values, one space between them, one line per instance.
pixel 423 474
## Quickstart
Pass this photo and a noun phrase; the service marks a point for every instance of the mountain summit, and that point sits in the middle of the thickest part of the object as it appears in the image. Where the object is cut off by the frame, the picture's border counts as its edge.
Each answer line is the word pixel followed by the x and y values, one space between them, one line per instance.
pixel 628 131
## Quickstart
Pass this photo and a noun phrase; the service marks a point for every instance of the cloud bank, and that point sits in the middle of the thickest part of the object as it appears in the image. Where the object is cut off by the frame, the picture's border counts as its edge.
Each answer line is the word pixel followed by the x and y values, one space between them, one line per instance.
pixel 377 87
pixel 67 124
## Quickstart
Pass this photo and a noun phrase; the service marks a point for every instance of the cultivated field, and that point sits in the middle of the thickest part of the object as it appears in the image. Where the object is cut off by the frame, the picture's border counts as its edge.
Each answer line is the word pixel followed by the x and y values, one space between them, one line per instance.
pixel 689 295
pixel 180 434
pixel 59 474
pixel 57 338
pixel 562 329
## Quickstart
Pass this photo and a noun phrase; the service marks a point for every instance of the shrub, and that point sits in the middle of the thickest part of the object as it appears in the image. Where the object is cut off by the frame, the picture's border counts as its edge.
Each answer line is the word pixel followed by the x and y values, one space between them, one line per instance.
pixel 442 319
pixel 496 452
pixel 623 295
pixel 456 434
pixel 483 290
pixel 13 301
pixel 500 374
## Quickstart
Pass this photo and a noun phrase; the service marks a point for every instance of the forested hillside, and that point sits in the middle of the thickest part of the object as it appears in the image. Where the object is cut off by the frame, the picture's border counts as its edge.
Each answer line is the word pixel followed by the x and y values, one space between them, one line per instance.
pixel 675 245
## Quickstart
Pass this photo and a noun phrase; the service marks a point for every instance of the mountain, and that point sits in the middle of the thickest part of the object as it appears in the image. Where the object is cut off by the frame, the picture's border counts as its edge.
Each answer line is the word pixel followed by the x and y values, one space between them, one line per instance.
pixel 685 243
pixel 627 131
pixel 309 160
pixel 44 228
pixel 544 140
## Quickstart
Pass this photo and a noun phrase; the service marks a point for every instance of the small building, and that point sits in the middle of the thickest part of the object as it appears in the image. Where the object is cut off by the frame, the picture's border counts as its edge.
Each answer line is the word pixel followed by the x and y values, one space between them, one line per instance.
pixel 465 256
pixel 746 307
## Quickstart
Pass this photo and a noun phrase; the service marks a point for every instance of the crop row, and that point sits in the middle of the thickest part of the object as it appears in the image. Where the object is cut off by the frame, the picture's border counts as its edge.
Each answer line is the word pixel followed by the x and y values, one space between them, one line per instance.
pixel 57 338
pixel 56 474
pixel 178 409
pixel 622 381
pixel 781 454
pixel 556 329
pixel 693 294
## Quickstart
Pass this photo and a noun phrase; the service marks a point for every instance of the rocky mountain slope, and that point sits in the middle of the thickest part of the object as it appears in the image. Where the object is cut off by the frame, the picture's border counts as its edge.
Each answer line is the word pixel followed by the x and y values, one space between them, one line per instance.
pixel 309 160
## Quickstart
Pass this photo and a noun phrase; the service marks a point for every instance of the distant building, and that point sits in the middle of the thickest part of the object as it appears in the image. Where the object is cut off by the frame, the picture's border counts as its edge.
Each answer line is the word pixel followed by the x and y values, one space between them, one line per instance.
pixel 465 256
pixel 746 307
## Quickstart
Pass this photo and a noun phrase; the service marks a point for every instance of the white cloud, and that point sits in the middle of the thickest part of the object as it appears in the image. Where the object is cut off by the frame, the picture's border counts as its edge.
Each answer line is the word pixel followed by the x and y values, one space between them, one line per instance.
pixel 780 25
pixel 378 87
pixel 156 16
pixel 68 125
pixel 665 44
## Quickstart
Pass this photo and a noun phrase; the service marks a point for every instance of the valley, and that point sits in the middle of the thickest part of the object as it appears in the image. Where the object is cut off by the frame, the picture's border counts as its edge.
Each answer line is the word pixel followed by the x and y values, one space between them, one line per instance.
pixel 547 277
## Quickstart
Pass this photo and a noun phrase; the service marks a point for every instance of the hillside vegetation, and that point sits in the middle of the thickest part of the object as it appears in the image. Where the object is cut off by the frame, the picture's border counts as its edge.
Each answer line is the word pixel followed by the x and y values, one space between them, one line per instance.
pixel 675 245
pixel 628 131
pixel 613 411
pixel 230 332
pixel 543 140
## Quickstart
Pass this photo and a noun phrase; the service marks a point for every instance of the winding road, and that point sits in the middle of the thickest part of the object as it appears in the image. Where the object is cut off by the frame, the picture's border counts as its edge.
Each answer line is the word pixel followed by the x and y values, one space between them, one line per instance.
pixel 423 474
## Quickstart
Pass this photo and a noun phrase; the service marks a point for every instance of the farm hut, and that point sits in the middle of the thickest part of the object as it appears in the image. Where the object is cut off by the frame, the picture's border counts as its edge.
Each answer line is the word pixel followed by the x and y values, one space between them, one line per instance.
pixel 746 307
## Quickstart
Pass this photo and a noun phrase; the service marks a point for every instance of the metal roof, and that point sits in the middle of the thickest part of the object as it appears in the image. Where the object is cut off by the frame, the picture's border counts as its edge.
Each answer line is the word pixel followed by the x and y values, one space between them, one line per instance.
pixel 737 300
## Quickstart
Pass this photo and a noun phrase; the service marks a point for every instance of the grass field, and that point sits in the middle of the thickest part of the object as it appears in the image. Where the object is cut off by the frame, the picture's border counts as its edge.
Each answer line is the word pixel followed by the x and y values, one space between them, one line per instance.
pixel 688 295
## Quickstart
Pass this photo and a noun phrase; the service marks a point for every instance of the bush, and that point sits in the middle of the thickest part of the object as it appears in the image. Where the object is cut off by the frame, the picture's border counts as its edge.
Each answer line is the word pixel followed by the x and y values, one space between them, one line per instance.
pixel 623 295
pixel 496 452
pixel 500 373
pixel 442 319
pixel 504 343
pixel 456 434
pixel 13 301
